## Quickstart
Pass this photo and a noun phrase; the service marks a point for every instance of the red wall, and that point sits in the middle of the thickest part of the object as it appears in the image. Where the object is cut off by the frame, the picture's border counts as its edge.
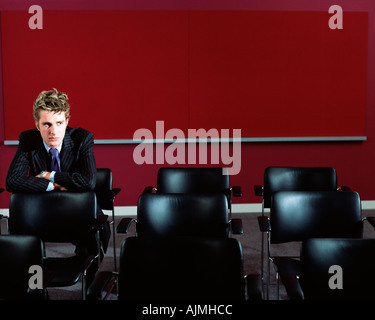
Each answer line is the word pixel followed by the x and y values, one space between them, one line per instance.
pixel 270 74
pixel 353 161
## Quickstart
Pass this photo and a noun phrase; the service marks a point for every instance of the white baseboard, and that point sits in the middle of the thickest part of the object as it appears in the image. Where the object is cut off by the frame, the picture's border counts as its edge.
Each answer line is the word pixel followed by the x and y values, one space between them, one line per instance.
pixel 237 208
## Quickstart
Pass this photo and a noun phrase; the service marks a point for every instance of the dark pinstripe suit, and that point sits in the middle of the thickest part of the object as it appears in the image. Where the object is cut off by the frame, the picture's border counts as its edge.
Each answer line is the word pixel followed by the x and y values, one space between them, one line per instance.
pixel 77 162
pixel 78 167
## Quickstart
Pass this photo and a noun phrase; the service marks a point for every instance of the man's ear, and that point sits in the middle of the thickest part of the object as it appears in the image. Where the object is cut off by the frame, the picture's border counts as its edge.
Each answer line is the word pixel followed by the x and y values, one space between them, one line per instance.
pixel 37 125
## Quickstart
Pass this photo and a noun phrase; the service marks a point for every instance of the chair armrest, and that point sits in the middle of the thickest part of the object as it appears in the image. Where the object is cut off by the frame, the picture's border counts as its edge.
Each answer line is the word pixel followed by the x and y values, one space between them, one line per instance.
pixel 149 189
pixel 254 287
pixel 236 226
pixel 259 190
pixel 124 225
pixel 344 188
pixel 107 198
pixel 100 282
pixel 236 191
pixel 264 223
pixel 292 287
pixel 100 222
pixel 113 193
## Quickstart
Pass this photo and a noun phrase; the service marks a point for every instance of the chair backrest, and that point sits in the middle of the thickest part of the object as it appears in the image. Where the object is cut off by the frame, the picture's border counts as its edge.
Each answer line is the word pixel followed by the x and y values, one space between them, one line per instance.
pixel 297 179
pixel 103 180
pixel 299 215
pixel 183 215
pixel 192 180
pixel 53 216
pixel 353 262
pixel 17 255
pixel 181 268
pixel 103 185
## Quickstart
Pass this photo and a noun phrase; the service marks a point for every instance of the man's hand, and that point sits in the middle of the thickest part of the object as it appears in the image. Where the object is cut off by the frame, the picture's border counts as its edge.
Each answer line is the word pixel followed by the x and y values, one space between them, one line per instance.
pixel 56 186
pixel 47 175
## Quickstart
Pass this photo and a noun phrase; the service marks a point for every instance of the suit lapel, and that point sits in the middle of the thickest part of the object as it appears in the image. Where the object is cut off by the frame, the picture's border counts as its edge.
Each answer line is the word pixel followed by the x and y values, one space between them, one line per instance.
pixel 66 155
pixel 41 157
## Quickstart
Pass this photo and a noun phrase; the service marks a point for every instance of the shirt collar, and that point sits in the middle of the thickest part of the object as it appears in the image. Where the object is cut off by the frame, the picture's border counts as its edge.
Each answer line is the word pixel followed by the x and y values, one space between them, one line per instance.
pixel 47 147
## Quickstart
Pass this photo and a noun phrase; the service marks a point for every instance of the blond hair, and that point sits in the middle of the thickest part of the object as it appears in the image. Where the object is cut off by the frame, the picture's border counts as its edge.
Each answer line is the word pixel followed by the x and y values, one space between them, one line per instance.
pixel 51 101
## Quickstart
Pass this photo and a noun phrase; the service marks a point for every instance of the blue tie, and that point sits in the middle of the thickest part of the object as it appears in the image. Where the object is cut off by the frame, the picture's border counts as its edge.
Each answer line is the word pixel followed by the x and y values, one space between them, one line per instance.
pixel 55 161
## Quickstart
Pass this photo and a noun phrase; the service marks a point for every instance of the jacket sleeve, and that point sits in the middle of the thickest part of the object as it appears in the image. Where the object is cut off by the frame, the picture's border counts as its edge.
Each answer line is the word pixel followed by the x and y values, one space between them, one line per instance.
pixel 18 179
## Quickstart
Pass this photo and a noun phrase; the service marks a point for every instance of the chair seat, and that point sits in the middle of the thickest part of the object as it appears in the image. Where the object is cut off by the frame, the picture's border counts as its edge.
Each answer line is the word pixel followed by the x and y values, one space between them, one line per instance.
pixel 287 266
pixel 64 272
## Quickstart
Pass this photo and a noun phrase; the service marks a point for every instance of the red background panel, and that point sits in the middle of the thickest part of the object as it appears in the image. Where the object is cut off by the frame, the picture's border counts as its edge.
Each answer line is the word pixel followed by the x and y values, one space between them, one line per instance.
pixel 270 74
pixel 278 74
pixel 122 70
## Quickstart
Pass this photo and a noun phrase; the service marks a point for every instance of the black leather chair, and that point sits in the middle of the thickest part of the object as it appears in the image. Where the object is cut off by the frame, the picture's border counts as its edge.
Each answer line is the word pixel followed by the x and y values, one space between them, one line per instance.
pixel 183 268
pixel 334 269
pixel 294 179
pixel 207 180
pixel 166 218
pixel 165 215
pixel 300 215
pixel 106 195
pixel 65 217
pixel 17 254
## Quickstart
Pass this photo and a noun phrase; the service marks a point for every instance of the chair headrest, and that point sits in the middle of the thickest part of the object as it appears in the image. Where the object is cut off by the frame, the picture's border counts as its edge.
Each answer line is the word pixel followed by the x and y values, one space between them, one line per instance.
pixel 192 180
pixel 183 214
pixel 298 215
pixel 53 216
pixel 298 179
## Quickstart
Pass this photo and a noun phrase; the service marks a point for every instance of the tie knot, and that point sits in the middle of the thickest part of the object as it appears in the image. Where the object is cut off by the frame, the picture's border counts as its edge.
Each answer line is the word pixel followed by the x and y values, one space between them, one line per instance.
pixel 54 152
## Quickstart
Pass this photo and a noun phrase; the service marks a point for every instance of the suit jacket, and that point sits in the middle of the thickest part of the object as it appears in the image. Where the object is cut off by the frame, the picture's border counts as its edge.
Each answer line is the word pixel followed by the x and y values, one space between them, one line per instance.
pixel 78 167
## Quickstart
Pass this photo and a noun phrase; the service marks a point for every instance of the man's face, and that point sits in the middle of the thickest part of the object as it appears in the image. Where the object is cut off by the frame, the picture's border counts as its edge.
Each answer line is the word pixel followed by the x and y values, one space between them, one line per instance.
pixel 52 127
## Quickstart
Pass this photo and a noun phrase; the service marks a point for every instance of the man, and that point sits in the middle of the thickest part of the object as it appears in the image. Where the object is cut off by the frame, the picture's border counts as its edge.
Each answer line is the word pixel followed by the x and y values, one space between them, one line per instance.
pixel 54 156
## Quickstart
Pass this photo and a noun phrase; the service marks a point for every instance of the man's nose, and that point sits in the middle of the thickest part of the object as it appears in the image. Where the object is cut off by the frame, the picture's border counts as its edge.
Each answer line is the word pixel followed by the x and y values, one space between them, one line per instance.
pixel 52 129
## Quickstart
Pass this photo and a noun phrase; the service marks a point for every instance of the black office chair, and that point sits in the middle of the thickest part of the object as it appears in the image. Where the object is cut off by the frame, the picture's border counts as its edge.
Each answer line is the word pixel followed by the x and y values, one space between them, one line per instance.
pixel 106 195
pixel 165 215
pixel 17 254
pixel 176 180
pixel 334 269
pixel 183 268
pixel 64 217
pixel 300 215
pixel 294 179
pixel 195 180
